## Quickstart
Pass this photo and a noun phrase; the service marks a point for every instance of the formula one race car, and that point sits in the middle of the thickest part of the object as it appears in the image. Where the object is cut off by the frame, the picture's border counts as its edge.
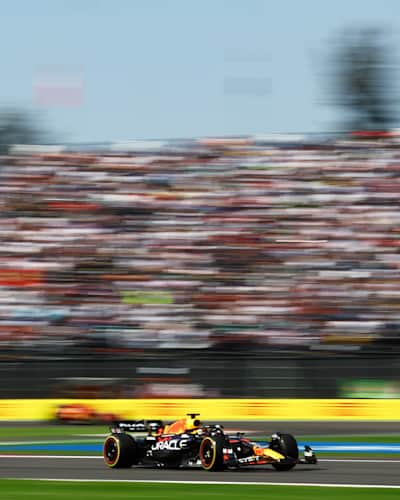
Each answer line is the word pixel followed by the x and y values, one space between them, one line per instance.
pixel 187 442
pixel 77 413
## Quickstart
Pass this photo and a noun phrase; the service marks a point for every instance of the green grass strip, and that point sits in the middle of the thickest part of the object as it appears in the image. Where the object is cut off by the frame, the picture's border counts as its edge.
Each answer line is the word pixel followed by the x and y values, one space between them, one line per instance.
pixel 51 431
pixel 63 490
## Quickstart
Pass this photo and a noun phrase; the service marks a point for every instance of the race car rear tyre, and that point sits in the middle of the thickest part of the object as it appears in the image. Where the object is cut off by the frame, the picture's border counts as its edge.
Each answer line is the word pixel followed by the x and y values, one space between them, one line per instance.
pixel 289 448
pixel 211 453
pixel 120 451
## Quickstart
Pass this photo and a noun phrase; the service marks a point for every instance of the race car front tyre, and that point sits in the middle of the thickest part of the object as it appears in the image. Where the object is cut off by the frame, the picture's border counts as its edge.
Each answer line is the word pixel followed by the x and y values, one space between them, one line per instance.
pixel 211 453
pixel 288 447
pixel 120 451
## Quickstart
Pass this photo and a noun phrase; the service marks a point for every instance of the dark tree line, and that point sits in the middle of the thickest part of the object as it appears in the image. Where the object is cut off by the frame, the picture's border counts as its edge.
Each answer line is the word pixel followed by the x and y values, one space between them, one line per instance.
pixel 18 126
pixel 364 80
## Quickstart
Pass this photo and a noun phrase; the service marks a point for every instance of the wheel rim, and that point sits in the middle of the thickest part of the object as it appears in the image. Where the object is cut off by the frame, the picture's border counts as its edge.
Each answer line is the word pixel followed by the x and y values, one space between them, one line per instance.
pixel 207 453
pixel 111 450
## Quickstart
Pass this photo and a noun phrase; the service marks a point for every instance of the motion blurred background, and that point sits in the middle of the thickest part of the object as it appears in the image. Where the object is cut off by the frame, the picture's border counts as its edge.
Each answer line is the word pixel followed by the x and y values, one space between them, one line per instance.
pixel 200 199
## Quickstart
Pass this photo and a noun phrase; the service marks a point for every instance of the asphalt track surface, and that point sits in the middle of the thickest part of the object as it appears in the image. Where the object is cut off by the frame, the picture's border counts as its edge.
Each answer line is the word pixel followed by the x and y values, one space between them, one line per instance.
pixel 362 472
pixel 342 470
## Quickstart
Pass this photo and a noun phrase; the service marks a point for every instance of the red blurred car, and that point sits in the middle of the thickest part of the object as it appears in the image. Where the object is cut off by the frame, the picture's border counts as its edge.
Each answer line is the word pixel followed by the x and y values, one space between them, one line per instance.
pixel 79 413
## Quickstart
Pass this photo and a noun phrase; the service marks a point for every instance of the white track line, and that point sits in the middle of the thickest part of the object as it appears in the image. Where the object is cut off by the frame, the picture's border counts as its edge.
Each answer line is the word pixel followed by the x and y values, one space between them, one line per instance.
pixel 236 483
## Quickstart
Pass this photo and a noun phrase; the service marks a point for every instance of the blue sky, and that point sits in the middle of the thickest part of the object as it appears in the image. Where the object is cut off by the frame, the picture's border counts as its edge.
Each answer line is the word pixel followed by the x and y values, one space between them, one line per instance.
pixel 182 68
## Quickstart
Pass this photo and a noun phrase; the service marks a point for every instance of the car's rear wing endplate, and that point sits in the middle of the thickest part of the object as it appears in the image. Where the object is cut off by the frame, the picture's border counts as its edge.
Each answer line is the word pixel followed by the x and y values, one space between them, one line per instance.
pixel 137 425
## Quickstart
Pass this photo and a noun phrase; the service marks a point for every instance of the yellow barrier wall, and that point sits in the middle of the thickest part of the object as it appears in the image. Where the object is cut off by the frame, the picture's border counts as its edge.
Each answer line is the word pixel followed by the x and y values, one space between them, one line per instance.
pixel 213 409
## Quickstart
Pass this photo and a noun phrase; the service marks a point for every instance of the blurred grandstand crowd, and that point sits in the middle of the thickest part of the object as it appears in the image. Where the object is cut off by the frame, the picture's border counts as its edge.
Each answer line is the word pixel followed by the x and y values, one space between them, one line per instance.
pixel 211 244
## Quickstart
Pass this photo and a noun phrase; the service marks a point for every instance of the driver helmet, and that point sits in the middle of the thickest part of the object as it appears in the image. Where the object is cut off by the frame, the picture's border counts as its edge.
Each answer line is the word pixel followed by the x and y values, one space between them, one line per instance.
pixel 193 422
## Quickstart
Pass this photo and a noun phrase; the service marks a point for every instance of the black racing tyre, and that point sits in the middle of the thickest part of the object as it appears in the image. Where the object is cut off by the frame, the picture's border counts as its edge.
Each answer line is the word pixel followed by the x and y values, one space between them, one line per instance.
pixel 289 448
pixel 211 453
pixel 120 451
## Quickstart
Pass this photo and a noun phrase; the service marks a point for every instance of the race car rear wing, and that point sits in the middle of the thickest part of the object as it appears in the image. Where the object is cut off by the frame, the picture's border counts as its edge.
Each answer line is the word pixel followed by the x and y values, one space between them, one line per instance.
pixel 136 426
